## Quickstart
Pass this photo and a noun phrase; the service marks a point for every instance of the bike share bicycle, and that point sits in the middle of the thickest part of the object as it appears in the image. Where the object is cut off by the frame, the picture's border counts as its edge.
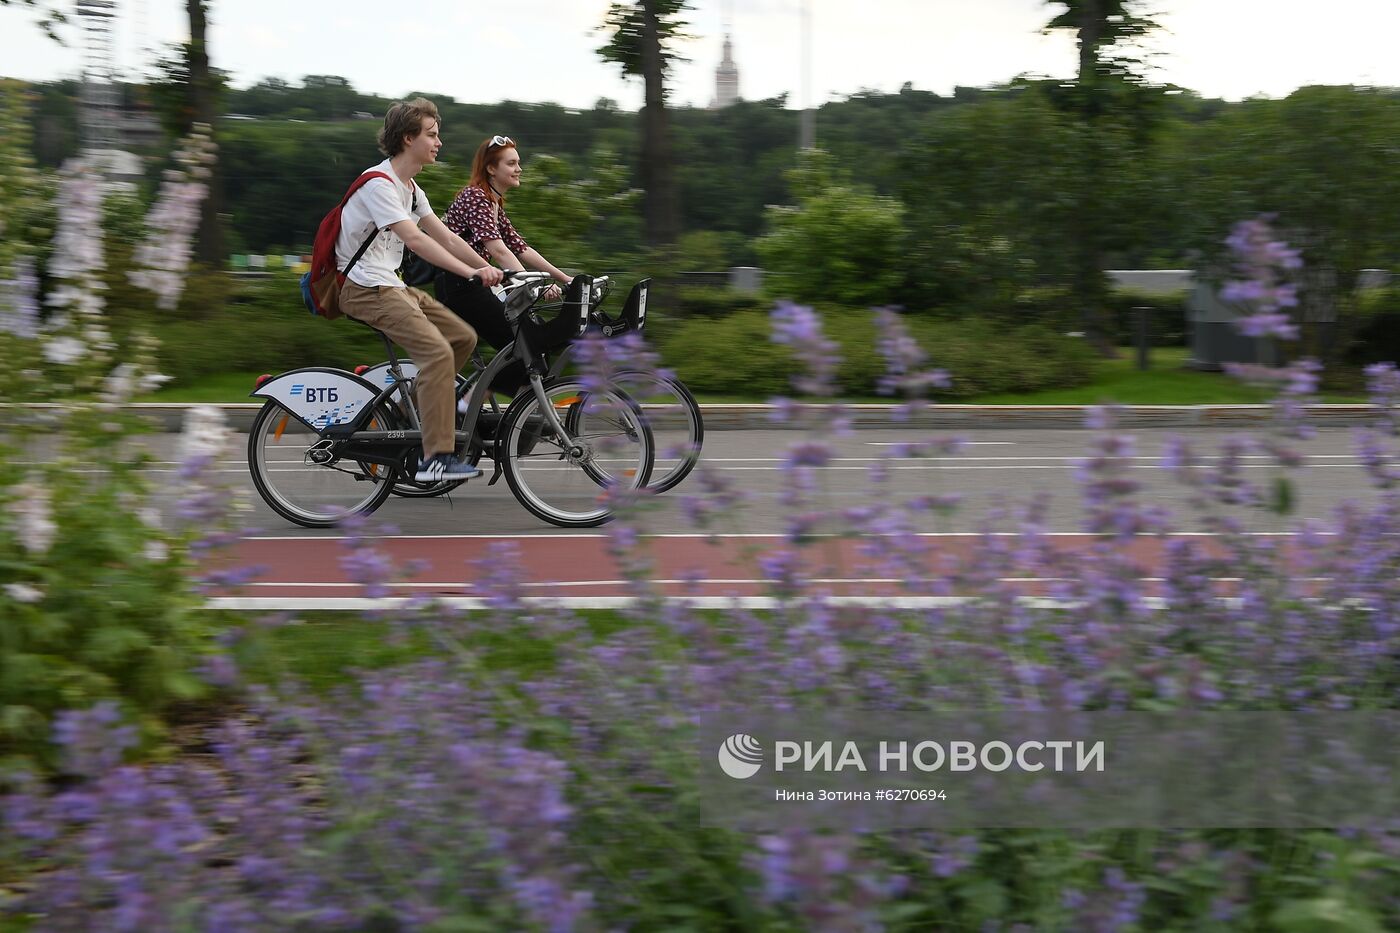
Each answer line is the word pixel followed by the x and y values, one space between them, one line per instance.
pixel 328 443
pixel 678 430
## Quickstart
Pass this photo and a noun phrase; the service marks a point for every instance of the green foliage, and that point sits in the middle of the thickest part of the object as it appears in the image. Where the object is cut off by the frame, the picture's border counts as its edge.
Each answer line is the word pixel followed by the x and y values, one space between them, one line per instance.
pixel 264 327
pixel 625 28
pixel 840 243
pixel 735 355
pixel 101 605
pixel 990 181
pixel 995 194
pixel 1105 31
pixel 279 196
pixel 172 96
pixel 566 217
pixel 123 229
pixel 26 212
pixel 710 251
pixel 1322 160
pixel 709 301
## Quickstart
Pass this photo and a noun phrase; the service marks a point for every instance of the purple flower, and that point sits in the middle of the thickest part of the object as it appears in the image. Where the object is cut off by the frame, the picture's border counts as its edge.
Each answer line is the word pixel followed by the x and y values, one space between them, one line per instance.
pixel 164 256
pixel 93 740
pixel 904 359
pixel 1262 262
pixel 808 454
pixel 1383 382
pixel 1268 325
pixel 955 856
pixel 800 328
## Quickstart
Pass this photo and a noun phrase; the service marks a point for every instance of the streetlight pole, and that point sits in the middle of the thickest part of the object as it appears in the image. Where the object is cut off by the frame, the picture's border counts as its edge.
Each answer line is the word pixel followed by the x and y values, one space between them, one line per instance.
pixel 808 139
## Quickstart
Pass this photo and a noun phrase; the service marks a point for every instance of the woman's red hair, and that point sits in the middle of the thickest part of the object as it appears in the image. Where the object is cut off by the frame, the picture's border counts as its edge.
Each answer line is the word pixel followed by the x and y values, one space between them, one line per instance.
pixel 487 156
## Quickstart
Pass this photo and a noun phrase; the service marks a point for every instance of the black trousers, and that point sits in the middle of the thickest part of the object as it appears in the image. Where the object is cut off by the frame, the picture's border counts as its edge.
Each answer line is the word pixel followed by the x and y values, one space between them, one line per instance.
pixel 478 306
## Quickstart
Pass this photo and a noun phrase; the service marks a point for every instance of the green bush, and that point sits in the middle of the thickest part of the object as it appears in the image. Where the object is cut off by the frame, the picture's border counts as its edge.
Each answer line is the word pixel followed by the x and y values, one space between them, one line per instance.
pixel 841 242
pixel 734 355
pixel 705 301
pixel 96 594
pixel 711 251
pixel 263 326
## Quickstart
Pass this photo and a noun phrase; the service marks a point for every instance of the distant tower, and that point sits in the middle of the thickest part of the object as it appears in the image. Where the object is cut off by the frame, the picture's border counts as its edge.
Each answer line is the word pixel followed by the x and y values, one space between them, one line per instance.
pixel 726 78
pixel 727 74
pixel 99 117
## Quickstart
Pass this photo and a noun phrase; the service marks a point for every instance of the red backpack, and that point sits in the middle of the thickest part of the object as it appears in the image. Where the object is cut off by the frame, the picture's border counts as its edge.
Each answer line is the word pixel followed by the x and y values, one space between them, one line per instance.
pixel 320 285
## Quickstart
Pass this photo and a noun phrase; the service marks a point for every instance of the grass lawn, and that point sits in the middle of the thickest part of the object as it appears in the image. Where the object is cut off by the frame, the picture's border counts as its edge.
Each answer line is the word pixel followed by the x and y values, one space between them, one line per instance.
pixel 219 388
pixel 1167 382
pixel 324 650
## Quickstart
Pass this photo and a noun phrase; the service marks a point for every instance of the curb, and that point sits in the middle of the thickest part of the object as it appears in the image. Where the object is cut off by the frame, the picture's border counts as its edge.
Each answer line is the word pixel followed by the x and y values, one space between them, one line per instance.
pixel 171 416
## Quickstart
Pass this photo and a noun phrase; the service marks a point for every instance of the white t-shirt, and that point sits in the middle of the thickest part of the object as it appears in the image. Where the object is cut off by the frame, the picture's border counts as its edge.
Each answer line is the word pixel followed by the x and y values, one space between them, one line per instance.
pixel 378 204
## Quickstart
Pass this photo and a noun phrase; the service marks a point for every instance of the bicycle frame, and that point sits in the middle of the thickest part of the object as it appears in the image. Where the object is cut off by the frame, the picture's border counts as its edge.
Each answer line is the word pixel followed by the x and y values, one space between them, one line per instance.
pixel 357 443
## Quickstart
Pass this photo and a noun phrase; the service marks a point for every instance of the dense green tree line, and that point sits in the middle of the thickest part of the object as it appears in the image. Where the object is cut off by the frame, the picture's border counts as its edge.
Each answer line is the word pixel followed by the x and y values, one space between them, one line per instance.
pixel 305 141
pixel 988 183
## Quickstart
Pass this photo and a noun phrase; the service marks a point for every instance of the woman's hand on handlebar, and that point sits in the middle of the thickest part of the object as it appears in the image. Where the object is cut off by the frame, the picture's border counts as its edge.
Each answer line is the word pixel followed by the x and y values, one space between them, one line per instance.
pixel 552 293
pixel 489 275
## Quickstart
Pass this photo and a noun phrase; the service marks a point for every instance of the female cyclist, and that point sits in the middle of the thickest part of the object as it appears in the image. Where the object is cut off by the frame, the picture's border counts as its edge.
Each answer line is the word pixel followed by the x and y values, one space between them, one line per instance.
pixel 478 216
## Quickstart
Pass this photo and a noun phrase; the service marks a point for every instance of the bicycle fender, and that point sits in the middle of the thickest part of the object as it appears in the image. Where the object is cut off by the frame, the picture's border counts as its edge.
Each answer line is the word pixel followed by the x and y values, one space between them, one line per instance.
pixel 381 377
pixel 319 396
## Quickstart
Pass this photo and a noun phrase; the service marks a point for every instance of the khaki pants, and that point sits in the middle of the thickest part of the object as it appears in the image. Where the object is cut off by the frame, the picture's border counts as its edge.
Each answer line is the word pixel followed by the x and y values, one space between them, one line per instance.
pixel 438 342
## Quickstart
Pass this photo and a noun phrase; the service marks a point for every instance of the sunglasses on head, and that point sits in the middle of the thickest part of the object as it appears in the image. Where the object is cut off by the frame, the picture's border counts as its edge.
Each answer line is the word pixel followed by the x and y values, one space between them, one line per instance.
pixel 502 141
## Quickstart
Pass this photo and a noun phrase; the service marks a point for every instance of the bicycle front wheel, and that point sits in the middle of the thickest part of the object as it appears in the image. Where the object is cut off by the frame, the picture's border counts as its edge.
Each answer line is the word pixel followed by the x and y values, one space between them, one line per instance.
pixel 568 484
pixel 283 461
pixel 677 430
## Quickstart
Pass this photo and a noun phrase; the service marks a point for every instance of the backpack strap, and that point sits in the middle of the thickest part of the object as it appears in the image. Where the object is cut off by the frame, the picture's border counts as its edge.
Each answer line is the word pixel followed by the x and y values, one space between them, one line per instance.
pixel 356 185
pixel 413 209
pixel 359 252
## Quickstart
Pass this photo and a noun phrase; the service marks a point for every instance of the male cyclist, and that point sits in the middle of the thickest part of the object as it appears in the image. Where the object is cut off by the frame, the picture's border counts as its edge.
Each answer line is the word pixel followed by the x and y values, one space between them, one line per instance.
pixel 438 341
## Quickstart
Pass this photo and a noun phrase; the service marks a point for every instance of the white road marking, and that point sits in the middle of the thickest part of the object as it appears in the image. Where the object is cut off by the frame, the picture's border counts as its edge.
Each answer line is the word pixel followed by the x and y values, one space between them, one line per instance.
pixel 773 535
pixel 305 604
pixel 750 581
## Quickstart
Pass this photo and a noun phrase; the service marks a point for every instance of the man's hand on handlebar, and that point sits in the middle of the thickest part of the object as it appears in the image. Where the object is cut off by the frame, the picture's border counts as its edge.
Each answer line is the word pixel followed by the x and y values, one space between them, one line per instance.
pixel 489 275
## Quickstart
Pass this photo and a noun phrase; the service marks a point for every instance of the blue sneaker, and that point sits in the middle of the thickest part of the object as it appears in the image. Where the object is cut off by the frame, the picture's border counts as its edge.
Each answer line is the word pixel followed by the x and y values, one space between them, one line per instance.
pixel 442 467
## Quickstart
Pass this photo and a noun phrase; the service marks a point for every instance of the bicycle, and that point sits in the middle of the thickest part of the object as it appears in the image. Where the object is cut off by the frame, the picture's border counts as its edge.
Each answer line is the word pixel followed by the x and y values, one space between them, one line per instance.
pixel 328 443
pixel 678 429
pixel 671 409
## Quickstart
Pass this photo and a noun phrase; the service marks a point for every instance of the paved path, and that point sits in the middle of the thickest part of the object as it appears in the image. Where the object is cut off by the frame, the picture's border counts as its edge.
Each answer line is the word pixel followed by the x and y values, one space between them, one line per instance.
pixel 581 570
pixel 997 470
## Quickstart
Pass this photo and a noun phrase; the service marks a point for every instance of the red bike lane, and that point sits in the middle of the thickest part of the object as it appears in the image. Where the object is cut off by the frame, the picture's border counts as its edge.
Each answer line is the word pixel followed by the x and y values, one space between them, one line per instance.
pixel 583 566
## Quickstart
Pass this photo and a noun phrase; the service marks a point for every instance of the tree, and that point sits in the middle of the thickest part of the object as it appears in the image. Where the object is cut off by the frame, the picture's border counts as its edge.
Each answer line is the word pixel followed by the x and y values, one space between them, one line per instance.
pixel 51 17
pixel 1104 31
pixel 194 92
pixel 641 33
pixel 1322 162
pixel 1108 73
pixel 203 88
pixel 840 243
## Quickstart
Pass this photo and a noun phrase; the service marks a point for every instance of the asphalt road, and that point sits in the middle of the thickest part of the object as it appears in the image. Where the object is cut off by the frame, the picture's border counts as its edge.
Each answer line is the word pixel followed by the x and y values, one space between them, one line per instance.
pixel 995 469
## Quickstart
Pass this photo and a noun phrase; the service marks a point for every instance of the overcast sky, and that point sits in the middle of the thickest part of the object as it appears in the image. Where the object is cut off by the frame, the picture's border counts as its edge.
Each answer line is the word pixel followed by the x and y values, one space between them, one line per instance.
pixel 543 50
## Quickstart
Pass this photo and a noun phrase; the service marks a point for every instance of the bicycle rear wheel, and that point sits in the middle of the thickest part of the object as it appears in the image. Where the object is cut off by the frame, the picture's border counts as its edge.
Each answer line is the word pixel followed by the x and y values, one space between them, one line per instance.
pixel 677 430
pixel 569 487
pixel 314 495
